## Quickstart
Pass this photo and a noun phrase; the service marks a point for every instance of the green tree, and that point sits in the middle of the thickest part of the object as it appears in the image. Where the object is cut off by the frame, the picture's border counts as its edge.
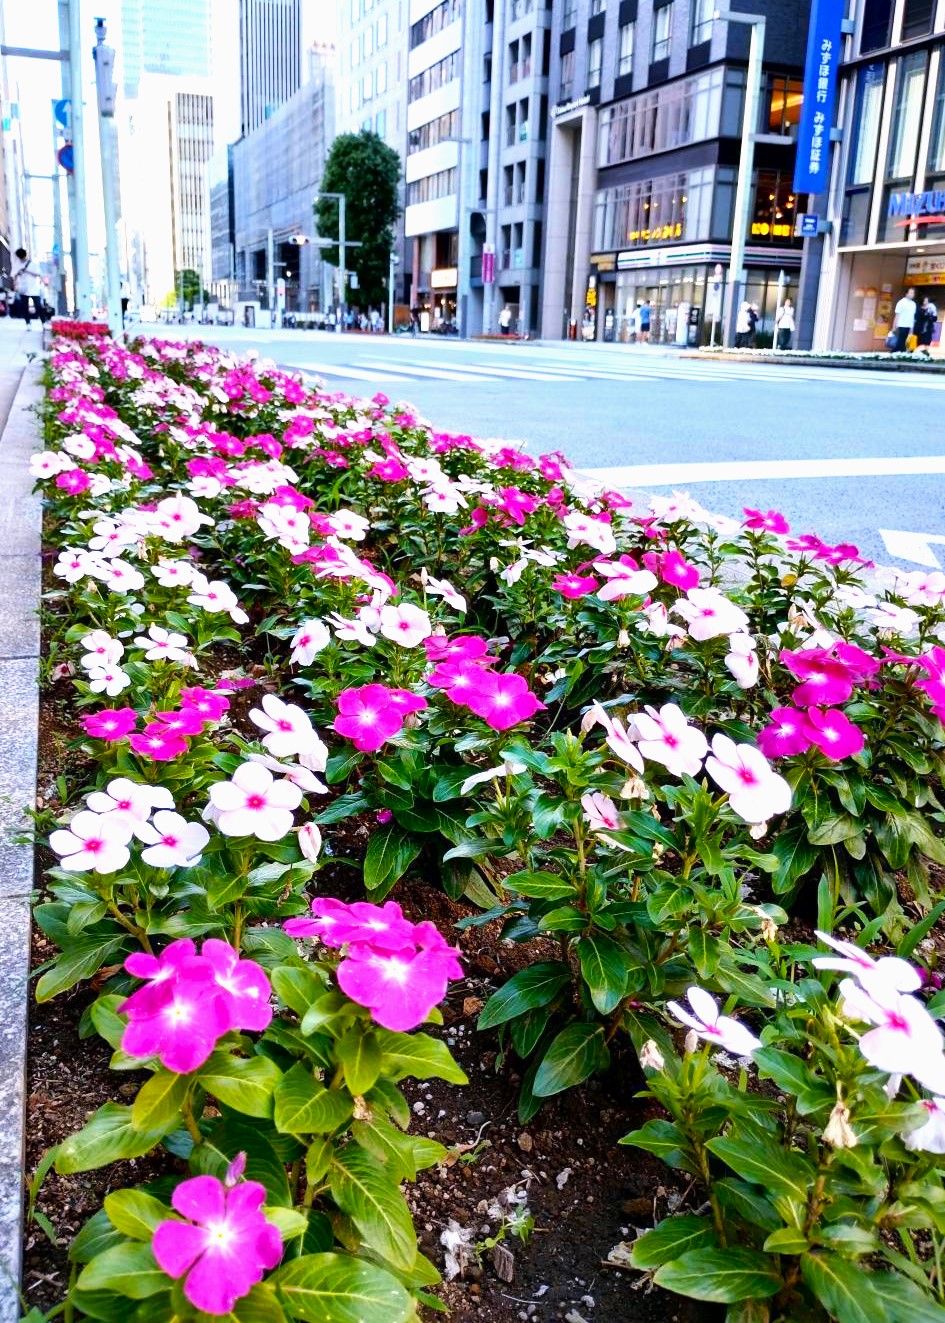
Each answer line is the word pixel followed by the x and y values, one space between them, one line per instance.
pixel 367 172
pixel 187 284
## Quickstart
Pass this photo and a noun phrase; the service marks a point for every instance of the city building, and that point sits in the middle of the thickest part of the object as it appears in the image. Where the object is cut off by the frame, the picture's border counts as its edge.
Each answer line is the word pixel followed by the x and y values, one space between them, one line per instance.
pixel 646 123
pixel 886 204
pixel 222 206
pixel 477 122
pixel 170 37
pixel 372 92
pixel 276 171
pixel 14 217
pixel 274 38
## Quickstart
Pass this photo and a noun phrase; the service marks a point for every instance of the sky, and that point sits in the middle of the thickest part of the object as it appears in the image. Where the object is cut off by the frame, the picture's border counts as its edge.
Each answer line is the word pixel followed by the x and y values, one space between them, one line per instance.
pixel 36 83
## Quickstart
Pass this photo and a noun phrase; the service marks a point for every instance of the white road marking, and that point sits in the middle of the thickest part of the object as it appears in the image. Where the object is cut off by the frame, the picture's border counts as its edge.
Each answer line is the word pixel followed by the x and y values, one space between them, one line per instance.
pixel 673 475
pixel 520 374
pixel 913 546
pixel 343 372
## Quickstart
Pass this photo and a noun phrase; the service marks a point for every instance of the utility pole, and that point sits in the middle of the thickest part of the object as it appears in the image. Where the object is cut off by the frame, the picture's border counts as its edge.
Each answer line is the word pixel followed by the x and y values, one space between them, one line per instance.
pixel 59 302
pixel 105 88
pixel 70 36
pixel 343 245
pixel 270 278
pixel 392 264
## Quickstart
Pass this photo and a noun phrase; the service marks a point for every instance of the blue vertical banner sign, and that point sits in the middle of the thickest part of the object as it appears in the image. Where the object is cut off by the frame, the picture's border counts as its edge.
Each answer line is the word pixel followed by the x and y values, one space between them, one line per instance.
pixel 820 84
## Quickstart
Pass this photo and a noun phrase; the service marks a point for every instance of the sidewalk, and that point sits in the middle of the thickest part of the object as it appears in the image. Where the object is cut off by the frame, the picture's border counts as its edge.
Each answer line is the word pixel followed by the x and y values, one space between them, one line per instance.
pixel 16 343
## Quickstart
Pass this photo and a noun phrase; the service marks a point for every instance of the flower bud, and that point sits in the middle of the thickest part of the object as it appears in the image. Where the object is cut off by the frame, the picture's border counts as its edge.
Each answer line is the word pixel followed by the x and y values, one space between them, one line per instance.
pixel 623 639
pixel 838 1132
pixel 651 1058
pixel 634 788
pixel 769 929
pixel 234 1172
pixel 362 1109
pixel 310 841
pixel 691 1043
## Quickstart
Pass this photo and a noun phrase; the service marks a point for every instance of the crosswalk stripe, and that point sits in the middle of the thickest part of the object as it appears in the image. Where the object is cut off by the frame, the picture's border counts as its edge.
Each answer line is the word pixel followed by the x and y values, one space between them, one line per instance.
pixel 672 475
pixel 341 371
pixel 519 374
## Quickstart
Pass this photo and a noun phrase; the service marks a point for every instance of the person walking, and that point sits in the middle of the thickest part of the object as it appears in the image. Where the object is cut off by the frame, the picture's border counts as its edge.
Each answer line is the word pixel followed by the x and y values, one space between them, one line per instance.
pixel 904 320
pixel 645 315
pixel 784 324
pixel 27 287
pixel 742 326
pixel 505 320
pixel 753 316
pixel 925 319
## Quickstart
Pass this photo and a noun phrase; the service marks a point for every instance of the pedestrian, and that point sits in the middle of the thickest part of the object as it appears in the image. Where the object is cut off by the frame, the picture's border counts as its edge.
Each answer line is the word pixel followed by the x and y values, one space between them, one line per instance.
pixel 784 324
pixel 375 320
pixel 742 327
pixel 925 319
pixel 505 320
pixel 753 318
pixel 904 321
pixel 415 321
pixel 645 322
pixel 27 287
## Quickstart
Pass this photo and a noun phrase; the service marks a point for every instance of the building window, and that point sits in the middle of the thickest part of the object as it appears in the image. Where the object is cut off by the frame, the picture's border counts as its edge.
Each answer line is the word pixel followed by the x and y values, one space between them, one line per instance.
pixel 566 85
pixel 917 18
pixel 703 17
pixel 569 16
pixel 877 25
pixel 625 50
pixel 785 98
pixel 523 121
pixel 937 143
pixel 669 208
pixel 445 13
pixel 907 116
pixel 598 7
pixel 380 123
pixel 440 185
pixel 595 58
pixel 662 29
pixel 381 36
pixel 775 206
pixel 380 78
pixel 438 75
pixel 442 129
pixel 866 125
pixel 661 119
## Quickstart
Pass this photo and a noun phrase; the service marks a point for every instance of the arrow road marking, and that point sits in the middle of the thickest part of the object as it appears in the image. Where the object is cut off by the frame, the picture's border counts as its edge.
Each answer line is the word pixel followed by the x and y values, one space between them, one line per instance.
pixel 913 546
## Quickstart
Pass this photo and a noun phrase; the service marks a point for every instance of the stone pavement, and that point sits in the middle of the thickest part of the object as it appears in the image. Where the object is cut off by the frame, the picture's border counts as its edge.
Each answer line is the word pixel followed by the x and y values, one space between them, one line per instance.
pixel 20 528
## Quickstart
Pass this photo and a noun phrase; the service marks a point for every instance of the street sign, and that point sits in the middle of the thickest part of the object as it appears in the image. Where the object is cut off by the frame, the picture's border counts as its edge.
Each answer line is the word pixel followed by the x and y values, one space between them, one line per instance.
pixel 808 224
pixel 66 158
pixel 62 110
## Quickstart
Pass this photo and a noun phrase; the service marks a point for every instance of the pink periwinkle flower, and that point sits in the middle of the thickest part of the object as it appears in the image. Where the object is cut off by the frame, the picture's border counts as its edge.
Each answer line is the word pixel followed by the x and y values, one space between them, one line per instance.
pixel 73 481
pixel 788 734
pixel 824 679
pixel 852 959
pixel 772 521
pixel 110 723
pixel 223 1248
pixel 466 648
pixel 834 734
pixel 371 714
pixel 158 742
pixel 501 699
pixel 574 586
pixel 673 568
pixel 755 792
pixel 601 813
pixel 905 1039
pixel 209 704
pixel 187 721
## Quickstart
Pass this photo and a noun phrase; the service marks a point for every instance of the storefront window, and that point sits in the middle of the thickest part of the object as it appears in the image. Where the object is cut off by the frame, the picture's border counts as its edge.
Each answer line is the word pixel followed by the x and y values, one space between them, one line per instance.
pixel 862 166
pixel 669 209
pixel 937 143
pixel 774 210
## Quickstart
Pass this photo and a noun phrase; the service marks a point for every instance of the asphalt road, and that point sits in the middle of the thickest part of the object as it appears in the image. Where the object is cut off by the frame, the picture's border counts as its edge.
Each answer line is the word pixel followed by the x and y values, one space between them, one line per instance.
pixel 854 456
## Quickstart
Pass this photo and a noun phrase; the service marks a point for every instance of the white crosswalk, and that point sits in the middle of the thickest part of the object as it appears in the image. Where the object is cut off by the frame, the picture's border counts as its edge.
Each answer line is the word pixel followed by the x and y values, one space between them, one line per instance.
pixel 559 366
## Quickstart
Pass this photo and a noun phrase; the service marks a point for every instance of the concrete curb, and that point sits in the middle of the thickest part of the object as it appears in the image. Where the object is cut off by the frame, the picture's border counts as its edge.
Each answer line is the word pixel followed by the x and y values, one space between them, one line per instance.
pixel 789 359
pixel 20 586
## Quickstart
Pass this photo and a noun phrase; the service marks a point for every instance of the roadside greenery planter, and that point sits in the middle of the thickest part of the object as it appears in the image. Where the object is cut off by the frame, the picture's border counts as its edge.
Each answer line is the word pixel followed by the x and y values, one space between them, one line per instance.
pixel 281 610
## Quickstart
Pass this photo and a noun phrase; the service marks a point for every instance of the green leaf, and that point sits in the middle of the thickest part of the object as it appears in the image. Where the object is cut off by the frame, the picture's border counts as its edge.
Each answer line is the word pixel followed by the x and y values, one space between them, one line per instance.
pixel 767 1164
pixel 359 1053
pixel 159 1100
pixel 108 1137
pixel 541 886
pixel 129 1270
pixel 390 853
pixel 234 1135
pixel 404 1155
pixel 136 1214
pixel 666 1140
pixel 672 1238
pixel 108 1023
pixel 721 1275
pixel 336 1288
pixel 796 856
pixel 906 1302
pixel 83 959
pixel 304 1106
pixel 748 1311
pixel 704 950
pixel 245 1084
pixel 576 1053
pixel 97 1235
pixel 846 1291
pixel 296 986
pixel 605 967
pixel 362 1189
pixel 786 1240
pixel 535 986
pixel 418 1056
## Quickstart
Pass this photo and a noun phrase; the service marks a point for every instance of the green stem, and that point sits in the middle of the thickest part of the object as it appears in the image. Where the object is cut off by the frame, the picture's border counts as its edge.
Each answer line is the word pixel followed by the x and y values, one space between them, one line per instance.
pixel 190 1121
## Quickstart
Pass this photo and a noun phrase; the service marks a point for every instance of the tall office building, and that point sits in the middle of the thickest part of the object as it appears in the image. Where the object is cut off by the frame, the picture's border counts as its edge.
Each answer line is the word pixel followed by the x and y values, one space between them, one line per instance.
pixel 372 91
pixel 164 37
pixel 271 57
pixel 647 117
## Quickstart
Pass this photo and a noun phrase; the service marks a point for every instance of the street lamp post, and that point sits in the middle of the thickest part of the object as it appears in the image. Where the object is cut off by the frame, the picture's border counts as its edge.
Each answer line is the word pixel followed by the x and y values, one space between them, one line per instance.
pixel 342 245
pixel 394 259
pixel 746 163
pixel 105 87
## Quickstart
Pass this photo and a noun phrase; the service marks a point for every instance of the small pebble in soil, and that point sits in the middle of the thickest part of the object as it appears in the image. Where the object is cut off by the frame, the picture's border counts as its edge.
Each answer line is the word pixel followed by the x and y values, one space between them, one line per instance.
pixel 475 1118
pixel 561 1179
pixel 525 1142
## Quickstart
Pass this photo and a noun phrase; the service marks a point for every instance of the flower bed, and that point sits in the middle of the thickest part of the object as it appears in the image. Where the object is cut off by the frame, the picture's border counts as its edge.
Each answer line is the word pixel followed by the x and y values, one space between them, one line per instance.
pixel 283 610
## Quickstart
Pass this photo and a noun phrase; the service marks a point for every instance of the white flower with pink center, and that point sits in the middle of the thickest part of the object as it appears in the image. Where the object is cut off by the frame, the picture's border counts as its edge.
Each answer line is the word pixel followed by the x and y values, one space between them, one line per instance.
pixel 406 625
pixel 755 792
pixel 111 537
pixel 623 581
pixel 600 812
pixel 666 737
pixel 129 802
pixel 253 803
pixel 443 588
pixel 172 842
pixel 353 631
pixel 92 842
pixel 719 1030
pixel 905 1040
pixel 347 524
pixel 163 645
pixel 174 573
pixel 110 680
pixel 178 517
pixel 216 596
pixel 119 577
pixel 289 729
pixel 742 660
pixel 48 463
pixel 82 447
pixel 930 1136
pixel 100 650
pixel 73 565
pixel 709 614
pixel 308 641
pixel 619 739
pixel 300 776
pixel 656 622
pixel 584 530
